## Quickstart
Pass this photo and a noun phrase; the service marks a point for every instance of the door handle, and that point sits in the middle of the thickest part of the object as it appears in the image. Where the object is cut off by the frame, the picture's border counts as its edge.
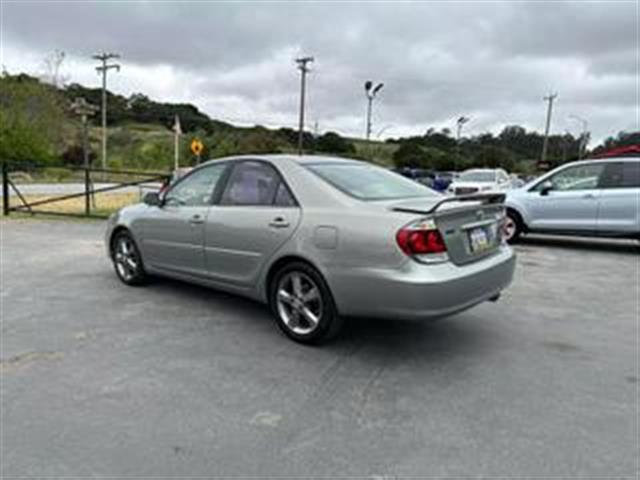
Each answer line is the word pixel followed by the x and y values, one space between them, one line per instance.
pixel 196 219
pixel 589 196
pixel 278 222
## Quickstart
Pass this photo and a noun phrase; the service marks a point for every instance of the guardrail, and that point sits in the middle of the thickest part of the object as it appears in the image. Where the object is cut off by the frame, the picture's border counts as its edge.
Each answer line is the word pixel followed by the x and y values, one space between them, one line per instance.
pixel 84 181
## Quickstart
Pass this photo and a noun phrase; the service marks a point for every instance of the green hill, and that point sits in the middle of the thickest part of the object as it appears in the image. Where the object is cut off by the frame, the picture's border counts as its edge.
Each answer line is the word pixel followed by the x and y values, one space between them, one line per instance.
pixel 38 126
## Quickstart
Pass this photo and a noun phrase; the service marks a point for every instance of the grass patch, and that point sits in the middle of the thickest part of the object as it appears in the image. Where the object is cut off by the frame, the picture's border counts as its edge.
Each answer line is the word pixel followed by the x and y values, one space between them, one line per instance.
pixel 103 204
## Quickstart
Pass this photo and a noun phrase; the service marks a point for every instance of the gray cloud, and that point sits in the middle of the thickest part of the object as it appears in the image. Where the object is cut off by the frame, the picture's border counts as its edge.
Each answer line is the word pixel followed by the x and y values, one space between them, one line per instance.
pixel 493 61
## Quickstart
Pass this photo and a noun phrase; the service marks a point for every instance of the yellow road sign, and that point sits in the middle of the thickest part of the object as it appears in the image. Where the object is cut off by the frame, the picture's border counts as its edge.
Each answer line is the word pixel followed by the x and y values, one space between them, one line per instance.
pixel 196 146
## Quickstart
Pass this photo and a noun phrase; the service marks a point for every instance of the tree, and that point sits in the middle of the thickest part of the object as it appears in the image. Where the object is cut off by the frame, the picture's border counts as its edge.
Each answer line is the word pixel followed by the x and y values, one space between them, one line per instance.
pixel 436 159
pixel 30 120
pixel 74 155
pixel 52 64
pixel 259 140
pixel 490 156
pixel 331 142
pixel 409 154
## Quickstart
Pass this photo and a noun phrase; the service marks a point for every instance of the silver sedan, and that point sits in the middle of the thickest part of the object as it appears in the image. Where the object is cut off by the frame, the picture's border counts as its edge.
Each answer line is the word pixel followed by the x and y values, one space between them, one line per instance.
pixel 318 239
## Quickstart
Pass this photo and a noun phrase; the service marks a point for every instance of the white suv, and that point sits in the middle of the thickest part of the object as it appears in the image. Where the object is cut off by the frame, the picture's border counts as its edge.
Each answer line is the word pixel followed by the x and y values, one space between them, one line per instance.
pixel 590 198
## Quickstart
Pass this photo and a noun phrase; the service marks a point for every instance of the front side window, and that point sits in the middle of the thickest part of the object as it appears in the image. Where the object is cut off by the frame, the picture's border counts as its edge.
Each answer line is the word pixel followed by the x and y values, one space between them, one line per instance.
pixel 197 188
pixel 367 182
pixel 580 177
pixel 254 183
pixel 621 175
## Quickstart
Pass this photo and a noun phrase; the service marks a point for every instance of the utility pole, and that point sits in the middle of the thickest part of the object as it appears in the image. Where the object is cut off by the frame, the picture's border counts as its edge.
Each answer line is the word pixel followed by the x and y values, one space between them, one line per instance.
pixel 304 69
pixel 459 124
pixel 84 110
pixel 103 69
pixel 549 99
pixel 177 131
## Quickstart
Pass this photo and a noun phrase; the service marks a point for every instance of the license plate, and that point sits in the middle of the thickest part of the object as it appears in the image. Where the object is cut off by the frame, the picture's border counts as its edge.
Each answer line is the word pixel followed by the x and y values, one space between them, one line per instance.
pixel 479 239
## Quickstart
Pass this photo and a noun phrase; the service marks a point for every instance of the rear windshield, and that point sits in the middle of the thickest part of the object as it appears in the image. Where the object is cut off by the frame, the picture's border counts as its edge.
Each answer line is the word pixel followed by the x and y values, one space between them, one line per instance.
pixel 478 176
pixel 368 182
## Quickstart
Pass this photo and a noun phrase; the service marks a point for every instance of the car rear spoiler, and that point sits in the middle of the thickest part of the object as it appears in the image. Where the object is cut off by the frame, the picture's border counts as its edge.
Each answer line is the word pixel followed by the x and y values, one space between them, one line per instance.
pixel 485 198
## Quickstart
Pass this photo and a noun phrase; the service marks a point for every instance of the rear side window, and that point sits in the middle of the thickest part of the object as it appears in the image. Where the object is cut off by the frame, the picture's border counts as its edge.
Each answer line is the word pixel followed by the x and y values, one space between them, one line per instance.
pixel 284 197
pixel 256 183
pixel 621 175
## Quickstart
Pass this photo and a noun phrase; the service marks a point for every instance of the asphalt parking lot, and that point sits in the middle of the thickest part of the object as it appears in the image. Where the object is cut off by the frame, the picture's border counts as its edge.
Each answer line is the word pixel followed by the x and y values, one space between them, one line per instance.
pixel 177 380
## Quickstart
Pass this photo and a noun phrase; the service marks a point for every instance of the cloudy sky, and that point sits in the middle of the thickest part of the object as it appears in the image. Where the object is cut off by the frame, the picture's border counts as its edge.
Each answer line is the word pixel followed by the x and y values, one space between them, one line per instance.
pixel 491 61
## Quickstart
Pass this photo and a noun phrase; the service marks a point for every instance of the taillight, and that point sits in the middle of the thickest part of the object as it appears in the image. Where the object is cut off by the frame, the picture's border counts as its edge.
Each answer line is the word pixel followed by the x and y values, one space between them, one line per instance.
pixel 422 241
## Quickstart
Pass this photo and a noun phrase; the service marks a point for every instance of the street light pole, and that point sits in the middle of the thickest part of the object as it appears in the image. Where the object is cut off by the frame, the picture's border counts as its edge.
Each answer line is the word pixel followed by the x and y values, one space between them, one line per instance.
pixel 304 69
pixel 103 69
pixel 459 123
pixel 370 92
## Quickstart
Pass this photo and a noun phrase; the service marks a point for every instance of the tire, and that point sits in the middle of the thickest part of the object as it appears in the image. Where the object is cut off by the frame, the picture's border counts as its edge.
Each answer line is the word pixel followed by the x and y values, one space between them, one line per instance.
pixel 302 304
pixel 513 227
pixel 127 260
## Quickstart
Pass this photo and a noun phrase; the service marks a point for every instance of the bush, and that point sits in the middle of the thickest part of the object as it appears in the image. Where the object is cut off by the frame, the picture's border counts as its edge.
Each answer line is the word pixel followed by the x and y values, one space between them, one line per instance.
pixel 30 120
pixel 331 142
pixel 409 155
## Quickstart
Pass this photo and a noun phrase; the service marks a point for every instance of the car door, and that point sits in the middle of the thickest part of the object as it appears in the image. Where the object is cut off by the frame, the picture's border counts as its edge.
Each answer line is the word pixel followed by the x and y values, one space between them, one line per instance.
pixel 173 232
pixel 618 212
pixel 255 214
pixel 567 200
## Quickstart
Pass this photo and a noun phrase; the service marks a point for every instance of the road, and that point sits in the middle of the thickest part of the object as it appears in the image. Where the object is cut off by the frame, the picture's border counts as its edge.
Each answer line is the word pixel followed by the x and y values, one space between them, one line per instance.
pixel 177 380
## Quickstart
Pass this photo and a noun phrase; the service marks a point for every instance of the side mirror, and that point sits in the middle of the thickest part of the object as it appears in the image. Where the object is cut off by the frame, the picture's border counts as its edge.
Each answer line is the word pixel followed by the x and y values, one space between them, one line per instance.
pixel 152 199
pixel 546 187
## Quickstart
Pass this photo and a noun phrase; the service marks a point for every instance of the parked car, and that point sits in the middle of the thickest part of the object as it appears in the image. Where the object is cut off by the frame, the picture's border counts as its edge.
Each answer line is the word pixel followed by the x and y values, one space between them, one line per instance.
pixel 591 198
pixel 480 180
pixel 318 239
pixel 442 180
pixel 516 181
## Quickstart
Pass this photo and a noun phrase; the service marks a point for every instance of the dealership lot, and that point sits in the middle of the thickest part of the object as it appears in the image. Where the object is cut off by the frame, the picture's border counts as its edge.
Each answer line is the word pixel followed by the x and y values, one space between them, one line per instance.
pixel 176 380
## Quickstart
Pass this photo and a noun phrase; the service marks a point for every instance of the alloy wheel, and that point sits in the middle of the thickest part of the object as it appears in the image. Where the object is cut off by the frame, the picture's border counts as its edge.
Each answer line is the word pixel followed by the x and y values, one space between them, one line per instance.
pixel 299 303
pixel 126 259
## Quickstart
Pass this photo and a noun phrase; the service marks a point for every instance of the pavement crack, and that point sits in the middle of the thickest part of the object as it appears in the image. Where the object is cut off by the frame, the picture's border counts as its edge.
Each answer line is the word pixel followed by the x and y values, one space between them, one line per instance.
pixel 24 359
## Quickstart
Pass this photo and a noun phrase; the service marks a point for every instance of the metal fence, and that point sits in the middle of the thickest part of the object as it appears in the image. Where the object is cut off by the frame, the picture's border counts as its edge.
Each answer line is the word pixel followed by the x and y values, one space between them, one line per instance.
pixel 81 188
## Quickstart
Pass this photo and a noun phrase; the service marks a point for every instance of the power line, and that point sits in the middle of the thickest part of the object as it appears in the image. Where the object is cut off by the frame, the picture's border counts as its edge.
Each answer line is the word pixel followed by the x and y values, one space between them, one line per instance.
pixel 104 68
pixel 304 69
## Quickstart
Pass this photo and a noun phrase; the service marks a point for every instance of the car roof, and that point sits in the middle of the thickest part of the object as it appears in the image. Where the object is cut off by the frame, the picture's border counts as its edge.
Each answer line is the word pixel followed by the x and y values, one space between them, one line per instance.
pixel 299 159
pixel 589 161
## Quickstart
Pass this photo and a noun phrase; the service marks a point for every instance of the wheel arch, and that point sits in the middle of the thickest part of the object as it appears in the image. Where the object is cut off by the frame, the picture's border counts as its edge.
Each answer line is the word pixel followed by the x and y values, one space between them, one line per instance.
pixel 280 263
pixel 517 213
pixel 119 229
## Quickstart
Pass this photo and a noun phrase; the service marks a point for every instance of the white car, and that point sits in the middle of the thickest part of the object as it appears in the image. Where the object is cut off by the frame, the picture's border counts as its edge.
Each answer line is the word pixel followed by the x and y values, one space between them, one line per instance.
pixel 480 180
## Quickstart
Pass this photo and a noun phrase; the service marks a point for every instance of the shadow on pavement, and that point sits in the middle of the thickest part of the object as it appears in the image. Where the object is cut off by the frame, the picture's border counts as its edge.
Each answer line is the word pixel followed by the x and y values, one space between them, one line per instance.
pixel 383 339
pixel 581 243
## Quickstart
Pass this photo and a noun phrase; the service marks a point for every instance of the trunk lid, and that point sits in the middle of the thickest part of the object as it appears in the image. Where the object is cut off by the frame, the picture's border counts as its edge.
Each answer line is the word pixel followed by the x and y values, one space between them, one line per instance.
pixel 470 224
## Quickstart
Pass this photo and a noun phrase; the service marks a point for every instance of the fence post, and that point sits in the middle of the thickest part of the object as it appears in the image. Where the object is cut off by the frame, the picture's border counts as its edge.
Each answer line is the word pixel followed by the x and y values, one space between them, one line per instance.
pixel 87 197
pixel 5 188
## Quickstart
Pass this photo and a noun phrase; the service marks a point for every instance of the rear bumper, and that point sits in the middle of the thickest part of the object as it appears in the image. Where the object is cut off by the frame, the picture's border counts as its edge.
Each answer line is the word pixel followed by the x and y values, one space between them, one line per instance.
pixel 418 291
